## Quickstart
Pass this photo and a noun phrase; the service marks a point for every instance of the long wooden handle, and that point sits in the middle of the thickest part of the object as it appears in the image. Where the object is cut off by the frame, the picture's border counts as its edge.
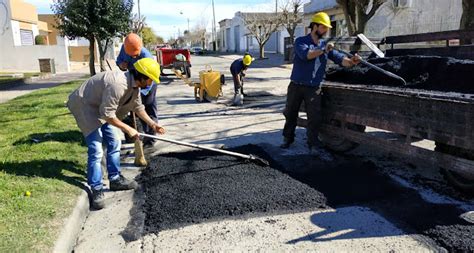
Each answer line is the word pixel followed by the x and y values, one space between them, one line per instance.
pixel 134 121
pixel 197 146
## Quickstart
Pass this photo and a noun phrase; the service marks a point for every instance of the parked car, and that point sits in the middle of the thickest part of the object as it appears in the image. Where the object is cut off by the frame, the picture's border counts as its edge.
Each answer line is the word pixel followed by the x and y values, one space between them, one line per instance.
pixel 197 50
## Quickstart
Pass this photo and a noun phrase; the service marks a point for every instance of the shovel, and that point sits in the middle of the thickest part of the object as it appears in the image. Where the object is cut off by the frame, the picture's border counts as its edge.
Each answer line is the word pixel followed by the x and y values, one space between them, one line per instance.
pixel 252 158
pixel 379 69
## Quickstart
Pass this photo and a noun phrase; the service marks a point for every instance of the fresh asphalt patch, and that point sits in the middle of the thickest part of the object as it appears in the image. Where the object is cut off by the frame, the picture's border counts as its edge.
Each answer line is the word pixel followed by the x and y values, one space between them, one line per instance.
pixel 192 187
pixel 185 188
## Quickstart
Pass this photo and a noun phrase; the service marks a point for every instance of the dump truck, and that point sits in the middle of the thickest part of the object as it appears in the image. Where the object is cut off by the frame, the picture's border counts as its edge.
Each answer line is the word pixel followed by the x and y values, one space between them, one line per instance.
pixel 413 114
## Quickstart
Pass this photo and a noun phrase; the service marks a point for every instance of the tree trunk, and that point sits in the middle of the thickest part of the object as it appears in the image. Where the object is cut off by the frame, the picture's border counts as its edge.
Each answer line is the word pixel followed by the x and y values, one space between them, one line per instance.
pixel 467 19
pixel 91 55
pixel 262 51
pixel 102 51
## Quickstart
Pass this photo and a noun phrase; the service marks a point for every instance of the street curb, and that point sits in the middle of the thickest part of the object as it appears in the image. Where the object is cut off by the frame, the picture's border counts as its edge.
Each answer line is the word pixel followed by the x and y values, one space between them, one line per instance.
pixel 72 226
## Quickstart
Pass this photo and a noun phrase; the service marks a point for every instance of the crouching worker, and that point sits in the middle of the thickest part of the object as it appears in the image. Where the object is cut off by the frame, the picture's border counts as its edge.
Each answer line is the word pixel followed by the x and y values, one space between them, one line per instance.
pixel 237 69
pixel 98 106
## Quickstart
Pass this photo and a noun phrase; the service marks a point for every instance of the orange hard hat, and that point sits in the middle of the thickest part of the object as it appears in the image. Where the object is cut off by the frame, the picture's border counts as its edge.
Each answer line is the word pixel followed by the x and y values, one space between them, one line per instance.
pixel 132 44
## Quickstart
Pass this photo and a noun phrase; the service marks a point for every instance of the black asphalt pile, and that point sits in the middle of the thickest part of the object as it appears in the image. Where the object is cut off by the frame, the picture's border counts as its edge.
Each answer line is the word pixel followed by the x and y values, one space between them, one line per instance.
pixel 420 72
pixel 354 182
pixel 192 187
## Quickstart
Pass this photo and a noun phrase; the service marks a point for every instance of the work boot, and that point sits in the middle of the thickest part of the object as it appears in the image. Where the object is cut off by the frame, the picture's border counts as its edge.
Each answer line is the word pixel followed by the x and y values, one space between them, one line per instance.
pixel 286 143
pixel 321 153
pixel 238 99
pixel 98 199
pixel 122 184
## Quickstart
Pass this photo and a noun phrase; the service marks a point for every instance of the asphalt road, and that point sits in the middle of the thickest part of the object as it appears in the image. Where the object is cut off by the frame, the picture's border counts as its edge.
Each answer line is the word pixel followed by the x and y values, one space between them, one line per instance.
pixel 360 201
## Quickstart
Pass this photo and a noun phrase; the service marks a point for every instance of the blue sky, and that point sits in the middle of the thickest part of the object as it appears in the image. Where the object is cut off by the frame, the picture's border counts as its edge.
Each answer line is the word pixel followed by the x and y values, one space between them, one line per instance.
pixel 165 17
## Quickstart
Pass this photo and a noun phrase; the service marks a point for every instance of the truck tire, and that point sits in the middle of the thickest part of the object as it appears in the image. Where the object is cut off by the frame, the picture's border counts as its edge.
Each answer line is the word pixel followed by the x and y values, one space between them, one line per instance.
pixel 461 183
pixel 337 143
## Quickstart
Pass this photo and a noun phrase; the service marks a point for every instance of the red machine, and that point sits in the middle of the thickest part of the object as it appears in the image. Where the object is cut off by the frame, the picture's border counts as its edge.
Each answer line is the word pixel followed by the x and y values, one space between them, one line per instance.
pixel 179 59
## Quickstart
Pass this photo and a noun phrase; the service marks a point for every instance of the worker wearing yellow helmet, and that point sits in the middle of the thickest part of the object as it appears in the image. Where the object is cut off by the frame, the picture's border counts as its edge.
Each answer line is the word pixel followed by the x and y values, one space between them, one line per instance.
pixel 99 106
pixel 237 69
pixel 309 68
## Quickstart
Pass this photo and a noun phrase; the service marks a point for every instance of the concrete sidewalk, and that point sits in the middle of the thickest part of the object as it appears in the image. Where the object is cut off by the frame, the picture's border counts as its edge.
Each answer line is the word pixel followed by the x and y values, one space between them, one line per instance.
pixel 20 90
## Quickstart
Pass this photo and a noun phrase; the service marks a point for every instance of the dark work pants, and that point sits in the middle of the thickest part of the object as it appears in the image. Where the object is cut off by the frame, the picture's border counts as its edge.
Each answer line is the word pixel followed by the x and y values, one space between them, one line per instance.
pixel 296 95
pixel 238 84
pixel 151 108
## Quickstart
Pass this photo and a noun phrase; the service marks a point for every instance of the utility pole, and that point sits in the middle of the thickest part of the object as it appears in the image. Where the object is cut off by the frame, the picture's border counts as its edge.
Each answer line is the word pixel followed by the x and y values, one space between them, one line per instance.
pixel 214 27
pixel 139 18
pixel 276 31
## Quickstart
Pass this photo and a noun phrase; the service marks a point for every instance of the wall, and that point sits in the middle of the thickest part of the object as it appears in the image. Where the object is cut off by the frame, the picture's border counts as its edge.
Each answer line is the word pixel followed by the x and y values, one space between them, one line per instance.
pixel 22 11
pixel 51 22
pixel 422 17
pixel 79 54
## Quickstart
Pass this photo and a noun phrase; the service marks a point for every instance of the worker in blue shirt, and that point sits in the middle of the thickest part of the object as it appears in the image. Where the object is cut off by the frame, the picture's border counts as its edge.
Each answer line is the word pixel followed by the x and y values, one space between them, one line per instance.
pixel 237 69
pixel 132 51
pixel 309 68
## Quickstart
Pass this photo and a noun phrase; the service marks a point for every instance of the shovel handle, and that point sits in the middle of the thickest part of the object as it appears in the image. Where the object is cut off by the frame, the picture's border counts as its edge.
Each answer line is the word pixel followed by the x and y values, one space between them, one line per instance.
pixel 379 69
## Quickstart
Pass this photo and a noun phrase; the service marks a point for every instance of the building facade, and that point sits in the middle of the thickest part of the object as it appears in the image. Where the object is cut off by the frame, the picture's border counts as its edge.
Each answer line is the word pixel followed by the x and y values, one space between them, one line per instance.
pixel 395 17
pixel 24 39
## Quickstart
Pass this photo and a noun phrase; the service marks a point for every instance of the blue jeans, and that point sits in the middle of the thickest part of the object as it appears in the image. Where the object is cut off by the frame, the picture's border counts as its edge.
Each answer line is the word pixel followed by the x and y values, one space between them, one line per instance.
pixel 107 135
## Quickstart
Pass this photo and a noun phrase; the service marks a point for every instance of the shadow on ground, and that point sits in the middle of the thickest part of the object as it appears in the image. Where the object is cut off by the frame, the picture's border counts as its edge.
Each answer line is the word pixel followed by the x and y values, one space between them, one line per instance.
pixel 350 181
pixel 49 169
pixel 70 136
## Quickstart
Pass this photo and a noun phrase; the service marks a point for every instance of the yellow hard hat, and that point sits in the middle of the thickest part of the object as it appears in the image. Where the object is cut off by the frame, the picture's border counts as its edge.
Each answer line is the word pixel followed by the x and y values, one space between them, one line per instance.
pixel 322 18
pixel 248 60
pixel 148 67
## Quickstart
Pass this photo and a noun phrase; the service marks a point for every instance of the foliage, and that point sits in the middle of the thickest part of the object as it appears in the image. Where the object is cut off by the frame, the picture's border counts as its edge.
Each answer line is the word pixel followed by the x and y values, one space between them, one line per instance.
pixel 93 20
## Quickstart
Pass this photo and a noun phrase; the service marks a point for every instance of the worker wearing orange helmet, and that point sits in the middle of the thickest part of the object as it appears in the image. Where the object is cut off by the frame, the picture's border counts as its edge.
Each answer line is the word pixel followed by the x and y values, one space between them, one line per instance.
pixel 132 50
pixel 309 67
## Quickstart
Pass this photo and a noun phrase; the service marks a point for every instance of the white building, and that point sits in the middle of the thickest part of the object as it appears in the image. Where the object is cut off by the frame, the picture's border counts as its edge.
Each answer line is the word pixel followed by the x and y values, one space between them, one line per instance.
pixel 395 17
pixel 233 36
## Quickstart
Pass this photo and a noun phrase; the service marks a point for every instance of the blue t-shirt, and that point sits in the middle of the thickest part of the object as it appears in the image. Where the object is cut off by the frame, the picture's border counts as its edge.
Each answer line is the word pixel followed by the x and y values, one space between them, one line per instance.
pixel 237 66
pixel 311 72
pixel 124 57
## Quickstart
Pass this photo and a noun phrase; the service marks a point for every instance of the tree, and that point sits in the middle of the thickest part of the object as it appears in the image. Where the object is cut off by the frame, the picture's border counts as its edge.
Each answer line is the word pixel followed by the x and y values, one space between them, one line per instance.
pixel 261 26
pixel 137 23
pixel 292 16
pixel 149 38
pixel 93 20
pixel 358 13
pixel 467 19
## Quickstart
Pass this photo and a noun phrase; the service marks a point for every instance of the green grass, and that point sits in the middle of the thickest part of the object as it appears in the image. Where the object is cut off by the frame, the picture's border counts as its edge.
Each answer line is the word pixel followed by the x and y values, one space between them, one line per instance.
pixel 42 151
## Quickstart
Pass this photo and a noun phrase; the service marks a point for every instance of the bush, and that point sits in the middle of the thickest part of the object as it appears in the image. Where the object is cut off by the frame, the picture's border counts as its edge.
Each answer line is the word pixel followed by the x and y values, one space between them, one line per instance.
pixel 40 40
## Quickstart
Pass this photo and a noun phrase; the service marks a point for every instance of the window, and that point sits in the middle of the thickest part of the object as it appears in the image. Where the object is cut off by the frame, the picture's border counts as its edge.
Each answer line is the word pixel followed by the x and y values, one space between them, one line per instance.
pixel 26 37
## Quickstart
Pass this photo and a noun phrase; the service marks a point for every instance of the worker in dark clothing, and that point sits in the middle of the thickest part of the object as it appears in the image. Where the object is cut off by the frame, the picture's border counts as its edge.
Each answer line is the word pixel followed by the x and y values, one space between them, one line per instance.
pixel 237 69
pixel 309 68
pixel 132 51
